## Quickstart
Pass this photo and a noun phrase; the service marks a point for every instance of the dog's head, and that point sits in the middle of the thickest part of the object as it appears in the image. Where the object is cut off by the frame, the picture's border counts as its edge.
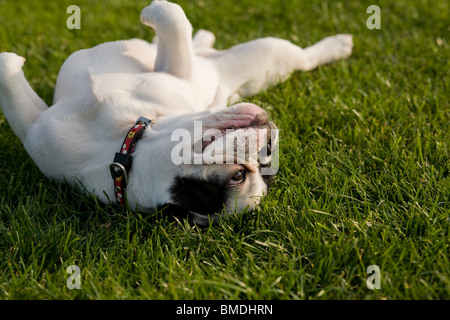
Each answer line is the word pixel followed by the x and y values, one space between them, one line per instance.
pixel 207 164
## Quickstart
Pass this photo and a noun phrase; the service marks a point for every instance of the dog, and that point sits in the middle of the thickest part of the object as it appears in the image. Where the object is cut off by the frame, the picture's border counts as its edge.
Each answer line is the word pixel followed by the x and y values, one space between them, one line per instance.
pixel 147 125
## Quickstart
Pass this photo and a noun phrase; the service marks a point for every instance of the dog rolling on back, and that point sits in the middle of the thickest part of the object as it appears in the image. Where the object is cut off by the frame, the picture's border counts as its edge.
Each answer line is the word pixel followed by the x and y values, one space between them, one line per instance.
pixel 182 159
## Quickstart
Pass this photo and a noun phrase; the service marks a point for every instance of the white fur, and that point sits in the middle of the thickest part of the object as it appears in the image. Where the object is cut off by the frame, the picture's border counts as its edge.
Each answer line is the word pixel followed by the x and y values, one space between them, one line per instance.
pixel 100 92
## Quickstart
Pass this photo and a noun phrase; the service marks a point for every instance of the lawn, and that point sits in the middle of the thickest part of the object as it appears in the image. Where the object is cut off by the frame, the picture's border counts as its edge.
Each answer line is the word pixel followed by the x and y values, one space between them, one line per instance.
pixel 363 179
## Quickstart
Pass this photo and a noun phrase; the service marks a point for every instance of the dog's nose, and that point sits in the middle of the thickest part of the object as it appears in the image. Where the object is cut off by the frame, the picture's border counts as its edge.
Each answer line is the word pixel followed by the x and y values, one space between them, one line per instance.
pixel 271 137
pixel 272 140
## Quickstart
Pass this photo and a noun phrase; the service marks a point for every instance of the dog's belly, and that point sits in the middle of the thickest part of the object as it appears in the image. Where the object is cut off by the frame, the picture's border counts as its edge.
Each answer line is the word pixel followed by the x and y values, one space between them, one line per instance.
pixel 89 75
pixel 110 57
pixel 99 93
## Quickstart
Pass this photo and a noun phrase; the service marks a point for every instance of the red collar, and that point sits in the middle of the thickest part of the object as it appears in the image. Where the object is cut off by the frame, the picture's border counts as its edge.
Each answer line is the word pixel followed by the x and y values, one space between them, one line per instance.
pixel 123 159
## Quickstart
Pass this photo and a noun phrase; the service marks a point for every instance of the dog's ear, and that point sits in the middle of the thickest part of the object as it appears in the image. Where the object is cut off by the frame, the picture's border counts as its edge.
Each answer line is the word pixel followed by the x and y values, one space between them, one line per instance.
pixel 200 196
pixel 174 212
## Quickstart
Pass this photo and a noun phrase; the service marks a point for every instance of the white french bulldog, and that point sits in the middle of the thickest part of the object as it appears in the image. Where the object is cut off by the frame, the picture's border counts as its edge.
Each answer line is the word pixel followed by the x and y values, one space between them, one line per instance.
pixel 178 82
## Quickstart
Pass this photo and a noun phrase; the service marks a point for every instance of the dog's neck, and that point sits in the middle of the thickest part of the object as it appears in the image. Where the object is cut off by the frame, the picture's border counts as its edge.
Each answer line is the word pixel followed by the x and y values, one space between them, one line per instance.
pixel 123 160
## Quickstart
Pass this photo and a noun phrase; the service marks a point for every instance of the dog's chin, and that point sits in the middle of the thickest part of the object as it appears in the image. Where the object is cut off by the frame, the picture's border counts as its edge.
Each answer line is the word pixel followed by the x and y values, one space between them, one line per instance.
pixel 260 135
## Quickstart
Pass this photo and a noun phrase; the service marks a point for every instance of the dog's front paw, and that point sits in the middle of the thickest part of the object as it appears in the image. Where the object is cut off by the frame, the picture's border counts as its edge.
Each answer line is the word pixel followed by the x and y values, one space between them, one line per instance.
pixel 336 47
pixel 10 63
pixel 160 15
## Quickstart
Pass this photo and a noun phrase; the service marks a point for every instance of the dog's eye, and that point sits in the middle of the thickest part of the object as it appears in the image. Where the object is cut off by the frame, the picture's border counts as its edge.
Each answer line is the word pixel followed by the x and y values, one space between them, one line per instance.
pixel 237 178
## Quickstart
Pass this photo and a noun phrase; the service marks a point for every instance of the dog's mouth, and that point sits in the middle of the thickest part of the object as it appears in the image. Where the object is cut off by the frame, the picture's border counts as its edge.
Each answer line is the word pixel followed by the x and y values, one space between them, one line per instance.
pixel 260 137
pixel 246 147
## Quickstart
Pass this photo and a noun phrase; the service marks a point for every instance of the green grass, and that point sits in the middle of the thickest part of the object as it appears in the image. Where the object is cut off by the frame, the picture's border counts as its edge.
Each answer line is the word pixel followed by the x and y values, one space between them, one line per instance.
pixel 363 180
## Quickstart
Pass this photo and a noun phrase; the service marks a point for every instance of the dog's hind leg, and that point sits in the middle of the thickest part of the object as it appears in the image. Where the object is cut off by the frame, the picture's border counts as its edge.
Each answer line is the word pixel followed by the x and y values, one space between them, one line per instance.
pixel 203 39
pixel 175 52
pixel 203 42
pixel 20 104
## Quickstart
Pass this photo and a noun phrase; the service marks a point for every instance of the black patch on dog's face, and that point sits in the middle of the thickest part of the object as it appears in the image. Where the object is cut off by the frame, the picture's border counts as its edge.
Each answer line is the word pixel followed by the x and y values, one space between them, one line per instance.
pixel 199 196
pixel 174 212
